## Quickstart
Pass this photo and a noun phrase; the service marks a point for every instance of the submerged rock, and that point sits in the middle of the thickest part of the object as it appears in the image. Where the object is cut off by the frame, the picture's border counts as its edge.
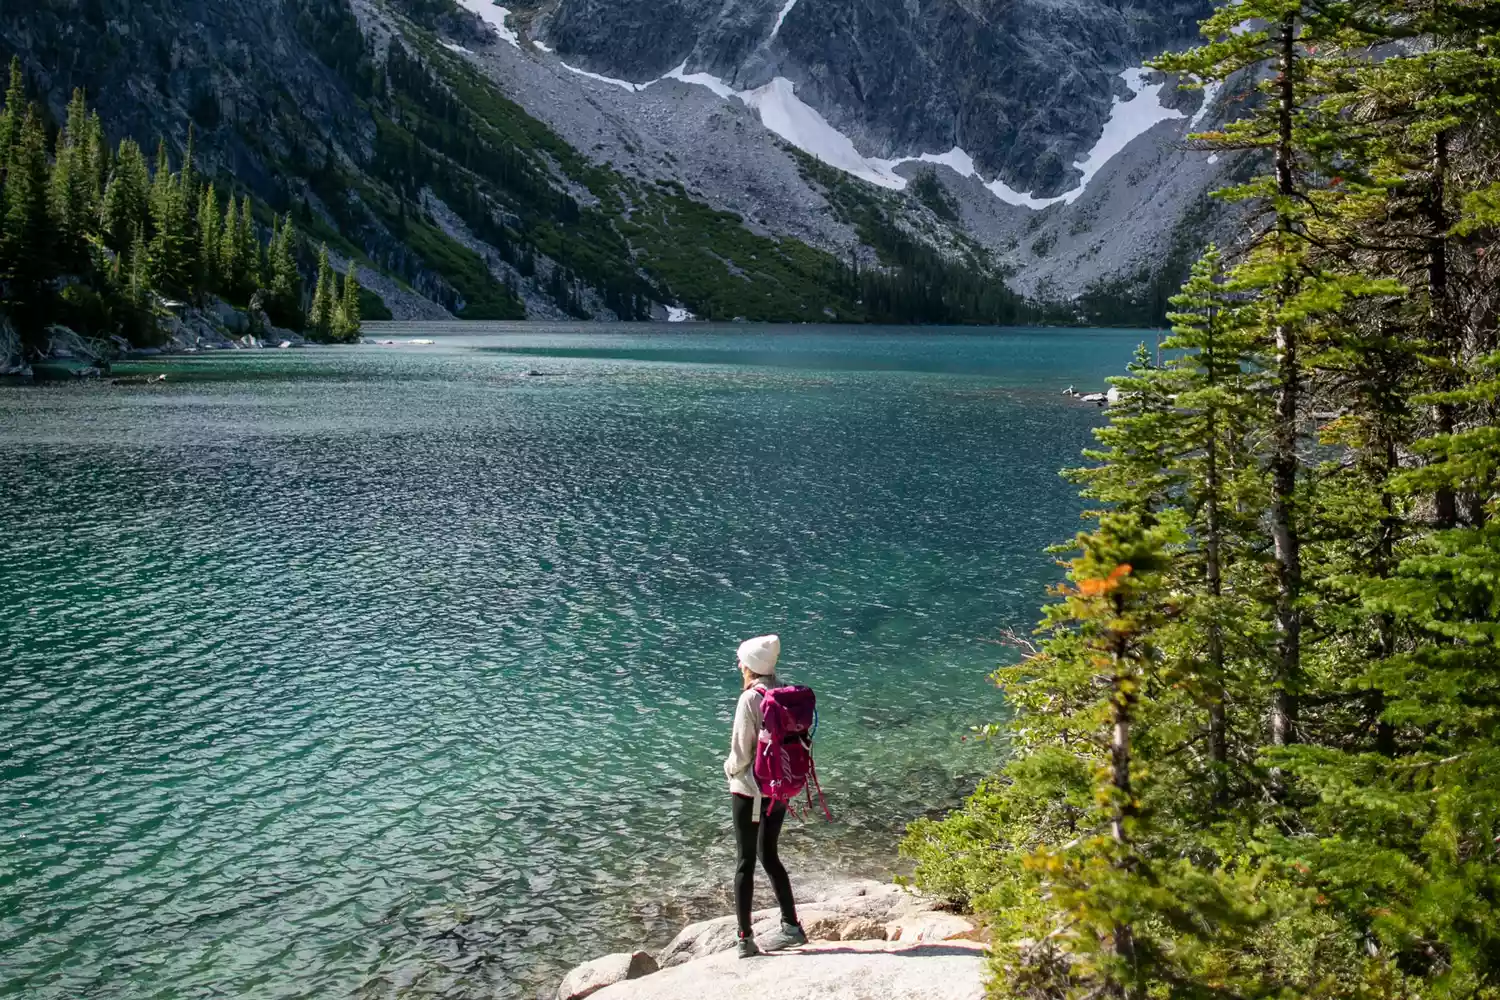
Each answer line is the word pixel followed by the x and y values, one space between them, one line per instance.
pixel 591 977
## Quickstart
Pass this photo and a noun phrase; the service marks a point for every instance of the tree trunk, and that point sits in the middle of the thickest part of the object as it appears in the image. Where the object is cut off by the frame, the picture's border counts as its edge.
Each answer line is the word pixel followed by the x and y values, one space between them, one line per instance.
pixel 1120 760
pixel 1284 454
pixel 1218 750
pixel 1124 701
pixel 1385 557
pixel 1439 313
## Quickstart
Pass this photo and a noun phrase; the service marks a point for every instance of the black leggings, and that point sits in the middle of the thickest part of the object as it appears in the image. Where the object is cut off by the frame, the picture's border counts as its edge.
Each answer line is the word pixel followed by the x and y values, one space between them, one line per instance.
pixel 751 836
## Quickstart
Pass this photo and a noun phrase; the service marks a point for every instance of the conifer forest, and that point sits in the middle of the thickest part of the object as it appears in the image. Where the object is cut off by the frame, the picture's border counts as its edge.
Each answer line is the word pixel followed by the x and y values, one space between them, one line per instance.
pixel 100 240
pixel 1255 741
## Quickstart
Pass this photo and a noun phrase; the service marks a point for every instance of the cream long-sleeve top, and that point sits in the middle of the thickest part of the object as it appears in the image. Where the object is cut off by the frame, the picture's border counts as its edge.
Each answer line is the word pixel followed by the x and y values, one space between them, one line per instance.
pixel 739 766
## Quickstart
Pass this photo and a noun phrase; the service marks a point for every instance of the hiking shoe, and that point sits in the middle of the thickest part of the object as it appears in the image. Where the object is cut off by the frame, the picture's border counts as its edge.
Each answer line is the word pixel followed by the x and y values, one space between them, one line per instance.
pixel 793 935
pixel 748 947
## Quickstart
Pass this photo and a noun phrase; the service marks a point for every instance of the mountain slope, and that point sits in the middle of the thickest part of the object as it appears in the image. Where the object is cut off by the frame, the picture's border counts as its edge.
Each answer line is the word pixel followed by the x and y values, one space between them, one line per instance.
pixel 1104 243
pixel 394 149
pixel 626 159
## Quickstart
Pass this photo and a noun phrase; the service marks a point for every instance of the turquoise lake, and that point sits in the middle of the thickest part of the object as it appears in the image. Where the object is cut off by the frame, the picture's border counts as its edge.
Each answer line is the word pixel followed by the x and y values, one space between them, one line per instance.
pixel 391 671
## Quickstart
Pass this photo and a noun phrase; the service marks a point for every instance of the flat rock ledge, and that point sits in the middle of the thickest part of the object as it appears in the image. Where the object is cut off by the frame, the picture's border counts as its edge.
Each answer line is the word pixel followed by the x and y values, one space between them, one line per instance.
pixel 867 941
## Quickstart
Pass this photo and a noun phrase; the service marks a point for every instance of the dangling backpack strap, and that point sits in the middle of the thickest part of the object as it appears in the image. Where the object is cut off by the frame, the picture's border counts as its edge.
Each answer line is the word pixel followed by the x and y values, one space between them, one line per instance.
pixel 813 771
pixel 755 815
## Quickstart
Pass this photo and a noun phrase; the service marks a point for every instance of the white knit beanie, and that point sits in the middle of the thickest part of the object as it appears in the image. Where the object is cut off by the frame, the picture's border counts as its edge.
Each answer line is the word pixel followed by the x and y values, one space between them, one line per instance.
pixel 759 655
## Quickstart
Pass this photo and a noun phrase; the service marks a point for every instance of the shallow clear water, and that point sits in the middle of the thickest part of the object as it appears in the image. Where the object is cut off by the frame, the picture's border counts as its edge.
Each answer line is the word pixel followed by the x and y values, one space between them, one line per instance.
pixel 387 671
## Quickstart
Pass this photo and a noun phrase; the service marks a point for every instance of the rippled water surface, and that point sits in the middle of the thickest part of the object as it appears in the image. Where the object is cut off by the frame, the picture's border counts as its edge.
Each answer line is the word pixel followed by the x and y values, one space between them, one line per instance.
pixel 399 670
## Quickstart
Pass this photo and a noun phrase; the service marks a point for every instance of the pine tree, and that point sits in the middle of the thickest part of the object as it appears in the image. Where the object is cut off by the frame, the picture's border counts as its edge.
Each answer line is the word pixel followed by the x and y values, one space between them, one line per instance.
pixel 1132 470
pixel 127 199
pixel 1218 400
pixel 140 270
pixel 1415 828
pixel 1427 128
pixel 347 318
pixel 27 263
pixel 188 196
pixel 188 178
pixel 1297 294
pixel 171 258
pixel 98 159
pixel 1119 894
pixel 1103 626
pixel 230 264
pixel 285 304
pixel 211 228
pixel 14 113
pixel 248 253
pixel 1406 556
pixel 74 198
pixel 321 314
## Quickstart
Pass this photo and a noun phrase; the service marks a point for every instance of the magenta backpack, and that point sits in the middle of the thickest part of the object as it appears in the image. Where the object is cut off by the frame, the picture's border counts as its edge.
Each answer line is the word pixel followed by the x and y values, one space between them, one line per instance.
pixel 783 757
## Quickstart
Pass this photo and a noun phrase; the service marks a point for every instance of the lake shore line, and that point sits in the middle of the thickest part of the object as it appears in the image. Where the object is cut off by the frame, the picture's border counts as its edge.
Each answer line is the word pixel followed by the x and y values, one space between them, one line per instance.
pixel 863 937
pixel 214 326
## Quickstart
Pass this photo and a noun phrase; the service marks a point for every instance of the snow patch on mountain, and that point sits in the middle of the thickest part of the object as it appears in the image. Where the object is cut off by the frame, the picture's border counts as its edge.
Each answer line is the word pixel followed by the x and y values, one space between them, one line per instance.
pixel 786 9
pixel 784 113
pixel 455 47
pixel 962 163
pixel 701 80
pixel 788 116
pixel 612 81
pixel 494 15
pixel 1211 93
pixel 1128 120
pixel 955 159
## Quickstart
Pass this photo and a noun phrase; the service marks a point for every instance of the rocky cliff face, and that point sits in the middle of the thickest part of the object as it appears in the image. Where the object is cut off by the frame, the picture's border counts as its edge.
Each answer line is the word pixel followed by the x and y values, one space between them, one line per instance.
pixel 1023 86
pixel 248 76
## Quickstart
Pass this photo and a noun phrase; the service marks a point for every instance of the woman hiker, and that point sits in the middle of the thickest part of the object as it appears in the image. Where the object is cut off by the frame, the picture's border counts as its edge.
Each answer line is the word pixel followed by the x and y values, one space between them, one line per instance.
pixel 757 821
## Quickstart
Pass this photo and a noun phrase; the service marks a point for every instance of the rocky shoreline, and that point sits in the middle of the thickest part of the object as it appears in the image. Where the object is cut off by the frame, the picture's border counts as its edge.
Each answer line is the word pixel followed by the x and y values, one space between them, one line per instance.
pixel 865 939
pixel 215 326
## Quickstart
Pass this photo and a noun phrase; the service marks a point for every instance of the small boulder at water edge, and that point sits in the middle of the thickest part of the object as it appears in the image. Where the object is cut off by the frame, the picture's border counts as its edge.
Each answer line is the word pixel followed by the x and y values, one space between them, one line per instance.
pixel 591 977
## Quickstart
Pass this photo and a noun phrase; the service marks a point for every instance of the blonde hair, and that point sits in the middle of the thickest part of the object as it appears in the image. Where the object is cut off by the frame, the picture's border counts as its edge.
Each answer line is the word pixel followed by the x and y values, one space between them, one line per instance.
pixel 751 678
